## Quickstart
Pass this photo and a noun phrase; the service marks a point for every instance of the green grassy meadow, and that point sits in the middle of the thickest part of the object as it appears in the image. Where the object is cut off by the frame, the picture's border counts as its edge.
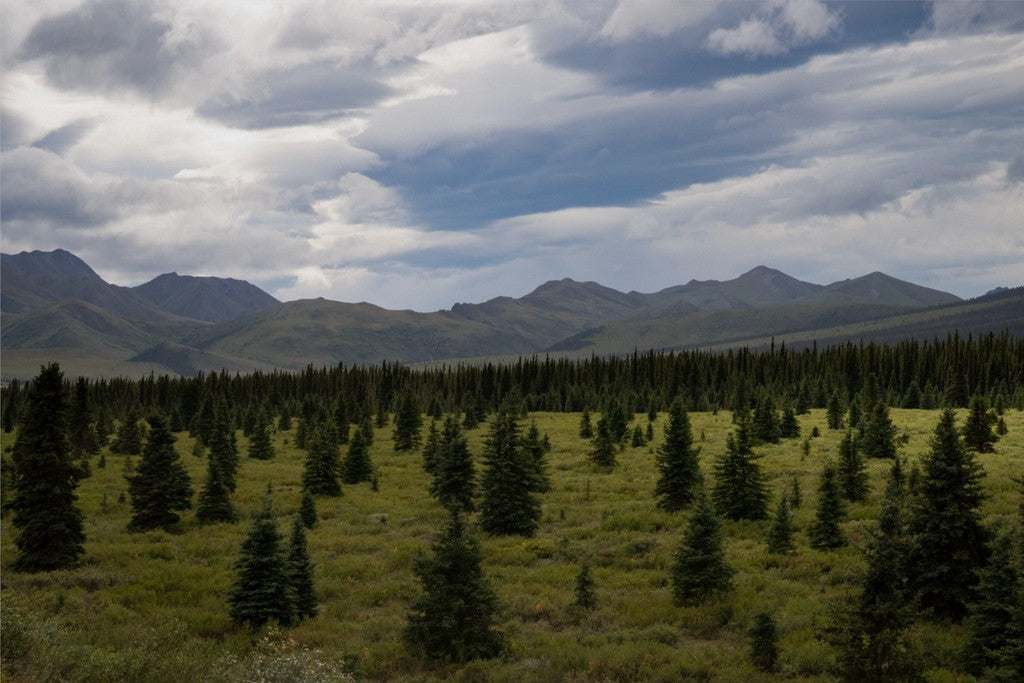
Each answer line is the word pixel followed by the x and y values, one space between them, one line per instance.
pixel 153 606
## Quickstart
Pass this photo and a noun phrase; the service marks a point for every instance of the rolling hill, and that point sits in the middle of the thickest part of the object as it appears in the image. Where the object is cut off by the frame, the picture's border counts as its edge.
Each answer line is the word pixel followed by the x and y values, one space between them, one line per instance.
pixel 54 306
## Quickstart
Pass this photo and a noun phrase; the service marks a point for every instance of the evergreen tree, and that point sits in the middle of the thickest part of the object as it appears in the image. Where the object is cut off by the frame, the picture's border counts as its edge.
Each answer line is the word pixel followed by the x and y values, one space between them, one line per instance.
pixel 320 474
pixel 49 527
pixel 764 642
pixel 223 451
pixel 789 428
pixel 356 467
pixel 341 418
pixel 878 439
pixel 84 441
pixel 453 619
pixel 300 573
pixel 260 447
pixel 977 430
pixel 453 484
pixel 765 426
pixel 990 619
pixel 912 399
pixel 638 440
pixel 700 570
pixel 284 422
pixel 780 534
pixel 740 491
pixel 215 497
pixel 536 450
pixel 586 597
pixel 263 586
pixel 870 633
pixel 853 475
pixel 408 423
pixel 586 427
pixel 617 421
pixel 602 453
pixel 430 448
pixel 159 486
pixel 679 471
pixel 950 542
pixel 825 533
pixel 834 412
pixel 307 509
pixel 796 498
pixel 509 504
pixel 129 435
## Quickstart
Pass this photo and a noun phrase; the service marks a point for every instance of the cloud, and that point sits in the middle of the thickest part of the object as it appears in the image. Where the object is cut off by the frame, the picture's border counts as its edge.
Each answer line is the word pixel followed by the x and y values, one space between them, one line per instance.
pixel 61 139
pixel 776 28
pixel 962 16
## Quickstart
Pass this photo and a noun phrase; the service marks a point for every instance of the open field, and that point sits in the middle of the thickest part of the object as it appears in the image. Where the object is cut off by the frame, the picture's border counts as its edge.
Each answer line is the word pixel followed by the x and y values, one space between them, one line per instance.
pixel 153 606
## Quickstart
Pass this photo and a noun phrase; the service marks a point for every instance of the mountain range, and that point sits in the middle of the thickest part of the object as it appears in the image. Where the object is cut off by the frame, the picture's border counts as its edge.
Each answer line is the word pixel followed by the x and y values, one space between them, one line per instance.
pixel 53 306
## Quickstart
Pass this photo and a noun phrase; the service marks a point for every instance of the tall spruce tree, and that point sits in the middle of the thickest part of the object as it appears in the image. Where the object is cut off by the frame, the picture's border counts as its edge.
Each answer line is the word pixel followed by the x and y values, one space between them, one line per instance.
pixel 509 503
pixel 454 479
pixel 536 449
pixel 740 491
pixel 453 618
pixel 989 621
pixel 834 412
pixel 679 471
pixel 159 486
pixel 765 425
pixel 357 467
pixel 49 527
pixel 602 452
pixel 853 475
pixel 977 430
pixel 789 427
pixel 586 426
pixel 764 642
pixel 260 446
pixel 128 440
pixel 215 497
pixel 878 439
pixel 408 422
pixel 585 596
pixel 430 448
pixel 699 570
pixel 320 475
pixel 780 533
pixel 263 584
pixel 825 533
pixel 949 540
pixel 307 509
pixel 84 441
pixel 300 573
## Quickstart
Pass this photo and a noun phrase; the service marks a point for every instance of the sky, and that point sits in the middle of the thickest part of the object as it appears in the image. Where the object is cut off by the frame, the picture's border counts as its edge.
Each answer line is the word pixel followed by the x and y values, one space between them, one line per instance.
pixel 416 154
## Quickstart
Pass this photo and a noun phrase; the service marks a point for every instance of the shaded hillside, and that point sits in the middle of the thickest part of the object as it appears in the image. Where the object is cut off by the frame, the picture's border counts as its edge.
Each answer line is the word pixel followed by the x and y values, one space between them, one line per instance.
pixel 212 299
pixel 75 324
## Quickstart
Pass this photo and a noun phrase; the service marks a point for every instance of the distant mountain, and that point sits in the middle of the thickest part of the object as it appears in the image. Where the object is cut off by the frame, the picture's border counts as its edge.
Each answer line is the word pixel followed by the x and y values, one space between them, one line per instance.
pixel 212 299
pixel 56 307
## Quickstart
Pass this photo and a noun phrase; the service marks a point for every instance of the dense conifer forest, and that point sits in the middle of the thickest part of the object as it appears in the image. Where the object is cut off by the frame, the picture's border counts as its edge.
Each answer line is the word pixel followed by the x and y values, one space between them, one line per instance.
pixel 844 513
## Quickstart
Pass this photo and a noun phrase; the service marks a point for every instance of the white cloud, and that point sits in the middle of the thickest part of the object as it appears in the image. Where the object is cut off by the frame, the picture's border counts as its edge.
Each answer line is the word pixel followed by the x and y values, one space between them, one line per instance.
pixel 776 27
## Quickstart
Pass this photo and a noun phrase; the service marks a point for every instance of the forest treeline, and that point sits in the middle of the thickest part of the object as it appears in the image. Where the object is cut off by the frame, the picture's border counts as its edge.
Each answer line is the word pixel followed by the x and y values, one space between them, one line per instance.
pixel 911 374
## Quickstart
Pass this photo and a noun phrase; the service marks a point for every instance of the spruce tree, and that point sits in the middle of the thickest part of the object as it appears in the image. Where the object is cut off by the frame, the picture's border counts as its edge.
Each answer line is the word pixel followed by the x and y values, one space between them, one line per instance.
pixel 215 497
pixel 764 642
pixel 699 570
pixel 84 441
pixel 49 527
pixel 260 447
pixel 834 412
pixel 320 475
pixel 129 435
pixel 408 423
pixel 430 448
pixel 586 426
pixel 780 534
pixel 679 471
pixel 853 475
pixel 740 491
pixel 990 619
pixel 509 503
pixel 300 573
pixel 878 439
pixel 825 533
pixel 586 597
pixel 453 485
pixel 602 453
pixel 307 509
pixel 977 430
pixel 356 467
pixel 453 619
pixel 950 542
pixel 638 440
pixel 796 498
pixel 765 425
pixel 536 449
pixel 789 428
pixel 263 584
pixel 223 447
pixel 159 486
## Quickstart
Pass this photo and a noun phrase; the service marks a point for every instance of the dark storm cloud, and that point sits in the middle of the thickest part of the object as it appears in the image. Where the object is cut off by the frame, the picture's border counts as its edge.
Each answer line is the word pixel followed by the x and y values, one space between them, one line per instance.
pixel 62 139
pixel 301 95
pixel 115 44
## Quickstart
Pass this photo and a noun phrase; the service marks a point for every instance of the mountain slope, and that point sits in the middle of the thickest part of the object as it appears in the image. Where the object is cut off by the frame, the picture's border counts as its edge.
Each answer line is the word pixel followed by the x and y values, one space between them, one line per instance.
pixel 212 299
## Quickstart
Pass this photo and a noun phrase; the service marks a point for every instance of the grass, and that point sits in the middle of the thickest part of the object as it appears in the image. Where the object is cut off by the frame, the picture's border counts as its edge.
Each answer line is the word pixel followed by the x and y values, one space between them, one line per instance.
pixel 153 606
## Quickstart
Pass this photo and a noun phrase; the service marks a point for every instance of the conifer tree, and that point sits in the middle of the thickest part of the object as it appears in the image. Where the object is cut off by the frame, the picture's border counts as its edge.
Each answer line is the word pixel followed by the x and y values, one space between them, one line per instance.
pixel 825 533
pixel 159 486
pixel 307 509
pixel 617 421
pixel 789 428
pixel 509 503
pixel 49 527
pixel 300 573
pixel 950 542
pixel 341 419
pixel 84 441
pixel 215 497
pixel 853 475
pixel 679 471
pixel 284 421
pixel 764 642
pixel 834 412
pixel 878 439
pixel 536 450
pixel 320 474
pixel 740 491
pixel 765 426
pixel 699 570
pixel 912 399
pixel 977 430
pixel 260 447
pixel 430 448
pixel 780 534
pixel 586 426
pixel 408 423
pixel 796 498
pixel 357 467
pixel 990 619
pixel 453 619
pixel 638 440
pixel 223 452
pixel 129 435
pixel 453 485
pixel 263 585
pixel 602 453
pixel 586 597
